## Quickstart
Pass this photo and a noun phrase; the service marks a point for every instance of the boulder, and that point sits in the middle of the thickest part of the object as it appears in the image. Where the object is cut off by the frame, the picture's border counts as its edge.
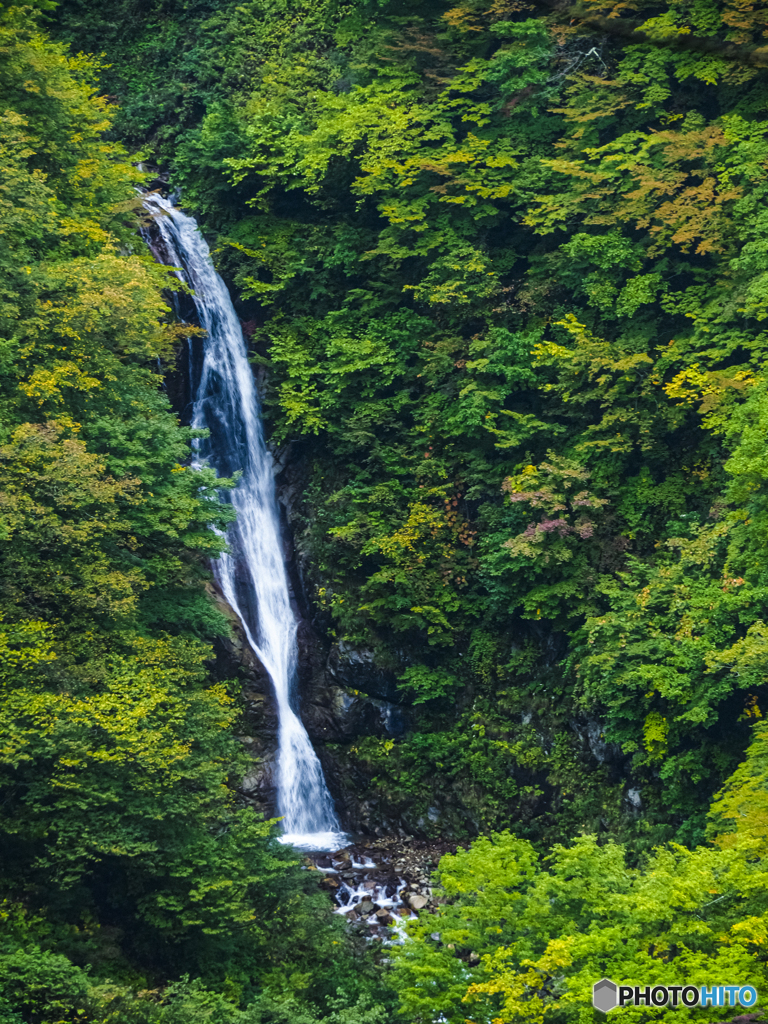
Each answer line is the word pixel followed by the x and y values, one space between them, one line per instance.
pixel 417 902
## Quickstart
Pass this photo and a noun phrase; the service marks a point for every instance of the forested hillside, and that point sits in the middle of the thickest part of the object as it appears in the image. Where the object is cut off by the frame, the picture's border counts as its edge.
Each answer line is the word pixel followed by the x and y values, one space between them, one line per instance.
pixel 506 273
pixel 503 268
pixel 125 860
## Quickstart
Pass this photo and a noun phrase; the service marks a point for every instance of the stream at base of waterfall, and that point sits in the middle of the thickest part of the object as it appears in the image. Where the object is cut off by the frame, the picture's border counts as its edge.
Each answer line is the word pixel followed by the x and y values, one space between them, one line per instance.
pixel 378 884
pixel 252 576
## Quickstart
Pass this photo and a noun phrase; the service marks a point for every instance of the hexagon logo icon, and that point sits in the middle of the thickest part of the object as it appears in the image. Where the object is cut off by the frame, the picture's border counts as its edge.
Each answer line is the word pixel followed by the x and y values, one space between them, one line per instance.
pixel 605 995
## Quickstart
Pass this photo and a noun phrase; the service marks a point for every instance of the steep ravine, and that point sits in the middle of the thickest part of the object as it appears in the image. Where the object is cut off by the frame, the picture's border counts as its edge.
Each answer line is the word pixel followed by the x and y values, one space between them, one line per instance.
pixel 274 648
pixel 345 698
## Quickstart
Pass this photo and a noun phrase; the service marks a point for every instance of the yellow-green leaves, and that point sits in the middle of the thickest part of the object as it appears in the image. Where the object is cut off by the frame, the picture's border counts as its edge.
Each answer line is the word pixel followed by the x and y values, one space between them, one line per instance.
pixel 739 813
pixel 516 941
pixel 59 508
pixel 24 646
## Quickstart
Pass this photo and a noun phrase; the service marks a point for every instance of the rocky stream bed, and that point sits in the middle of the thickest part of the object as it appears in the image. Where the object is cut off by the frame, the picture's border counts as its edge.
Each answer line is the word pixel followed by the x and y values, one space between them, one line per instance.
pixel 379 884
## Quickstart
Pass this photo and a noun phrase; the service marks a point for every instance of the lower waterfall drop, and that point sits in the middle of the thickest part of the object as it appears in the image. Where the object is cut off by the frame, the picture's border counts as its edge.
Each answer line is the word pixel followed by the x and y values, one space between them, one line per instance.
pixel 226 403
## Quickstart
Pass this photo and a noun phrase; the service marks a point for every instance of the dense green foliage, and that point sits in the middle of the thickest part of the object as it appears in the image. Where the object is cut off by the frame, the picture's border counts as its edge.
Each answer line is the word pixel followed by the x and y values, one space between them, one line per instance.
pixel 521 940
pixel 506 275
pixel 124 859
pixel 508 280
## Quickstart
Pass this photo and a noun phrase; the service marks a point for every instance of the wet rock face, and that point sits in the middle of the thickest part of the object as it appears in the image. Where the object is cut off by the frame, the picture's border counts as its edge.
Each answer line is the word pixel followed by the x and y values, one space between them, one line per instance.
pixel 258 732
pixel 355 669
pixel 333 715
pixel 336 715
pixel 333 710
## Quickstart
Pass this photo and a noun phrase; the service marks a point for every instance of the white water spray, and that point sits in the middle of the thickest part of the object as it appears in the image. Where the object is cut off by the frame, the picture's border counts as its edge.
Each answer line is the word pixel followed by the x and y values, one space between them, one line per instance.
pixel 252 576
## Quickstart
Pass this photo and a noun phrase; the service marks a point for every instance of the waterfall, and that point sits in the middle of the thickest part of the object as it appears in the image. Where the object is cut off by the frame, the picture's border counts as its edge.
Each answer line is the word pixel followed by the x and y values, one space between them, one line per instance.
pixel 252 576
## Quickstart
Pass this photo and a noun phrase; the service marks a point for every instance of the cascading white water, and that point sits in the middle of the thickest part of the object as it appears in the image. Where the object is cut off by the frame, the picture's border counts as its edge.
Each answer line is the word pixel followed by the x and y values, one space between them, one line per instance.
pixel 252 576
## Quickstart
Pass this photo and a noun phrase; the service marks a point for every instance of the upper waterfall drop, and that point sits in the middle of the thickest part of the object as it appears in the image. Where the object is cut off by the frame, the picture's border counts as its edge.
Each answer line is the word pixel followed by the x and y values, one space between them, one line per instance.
pixel 252 576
